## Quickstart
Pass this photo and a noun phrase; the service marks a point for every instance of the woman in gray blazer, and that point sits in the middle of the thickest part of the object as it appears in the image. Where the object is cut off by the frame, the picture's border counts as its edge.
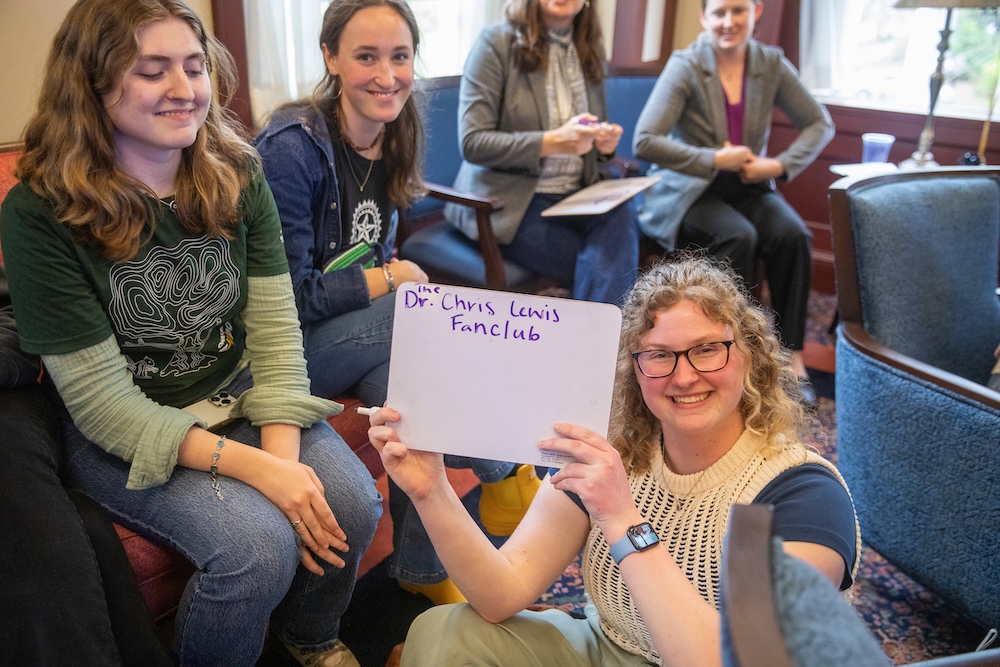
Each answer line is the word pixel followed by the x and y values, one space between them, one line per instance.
pixel 530 111
pixel 705 128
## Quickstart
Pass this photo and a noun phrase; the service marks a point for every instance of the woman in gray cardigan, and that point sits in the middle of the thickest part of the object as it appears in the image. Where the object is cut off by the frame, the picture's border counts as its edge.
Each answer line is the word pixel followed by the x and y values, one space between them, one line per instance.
pixel 705 128
pixel 530 111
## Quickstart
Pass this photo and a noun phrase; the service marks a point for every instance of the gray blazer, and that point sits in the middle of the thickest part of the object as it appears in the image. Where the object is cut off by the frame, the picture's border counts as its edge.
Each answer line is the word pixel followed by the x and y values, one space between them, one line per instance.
pixel 502 115
pixel 684 122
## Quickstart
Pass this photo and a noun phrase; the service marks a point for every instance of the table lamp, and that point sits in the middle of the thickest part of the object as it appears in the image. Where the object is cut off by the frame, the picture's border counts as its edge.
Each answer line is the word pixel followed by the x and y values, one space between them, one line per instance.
pixel 923 157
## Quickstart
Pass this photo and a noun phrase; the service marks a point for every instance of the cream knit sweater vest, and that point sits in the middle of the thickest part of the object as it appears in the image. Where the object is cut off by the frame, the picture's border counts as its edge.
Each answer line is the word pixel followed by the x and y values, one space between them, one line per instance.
pixel 689 513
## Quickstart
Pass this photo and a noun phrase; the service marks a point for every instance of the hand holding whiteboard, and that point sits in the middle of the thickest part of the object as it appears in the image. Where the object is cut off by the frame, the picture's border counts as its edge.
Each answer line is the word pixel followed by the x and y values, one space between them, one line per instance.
pixel 486 374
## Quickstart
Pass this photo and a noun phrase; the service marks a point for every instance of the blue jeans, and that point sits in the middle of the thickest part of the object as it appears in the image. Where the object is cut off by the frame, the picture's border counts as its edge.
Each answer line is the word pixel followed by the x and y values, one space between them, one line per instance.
pixel 351 351
pixel 598 255
pixel 413 557
pixel 243 548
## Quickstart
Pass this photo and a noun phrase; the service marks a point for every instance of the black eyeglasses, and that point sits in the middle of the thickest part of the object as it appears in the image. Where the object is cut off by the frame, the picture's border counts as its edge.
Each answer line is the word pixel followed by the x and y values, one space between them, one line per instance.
pixel 704 357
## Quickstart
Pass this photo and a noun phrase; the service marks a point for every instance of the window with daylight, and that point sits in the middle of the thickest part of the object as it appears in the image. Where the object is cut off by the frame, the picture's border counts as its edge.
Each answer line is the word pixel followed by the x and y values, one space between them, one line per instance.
pixel 866 53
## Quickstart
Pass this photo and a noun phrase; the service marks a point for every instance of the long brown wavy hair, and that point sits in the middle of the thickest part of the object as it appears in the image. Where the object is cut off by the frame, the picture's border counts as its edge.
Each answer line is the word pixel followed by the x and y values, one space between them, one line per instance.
pixel 69 156
pixel 768 405
pixel 531 50
pixel 403 144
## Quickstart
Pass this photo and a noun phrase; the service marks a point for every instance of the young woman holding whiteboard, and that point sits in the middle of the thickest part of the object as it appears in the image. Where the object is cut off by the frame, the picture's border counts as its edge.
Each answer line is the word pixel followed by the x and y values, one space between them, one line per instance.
pixel 702 418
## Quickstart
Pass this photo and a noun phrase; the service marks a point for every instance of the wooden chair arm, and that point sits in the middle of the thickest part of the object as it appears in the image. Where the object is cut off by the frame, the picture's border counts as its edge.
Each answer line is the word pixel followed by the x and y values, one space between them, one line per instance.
pixel 454 196
pixel 856 335
pixel 496 276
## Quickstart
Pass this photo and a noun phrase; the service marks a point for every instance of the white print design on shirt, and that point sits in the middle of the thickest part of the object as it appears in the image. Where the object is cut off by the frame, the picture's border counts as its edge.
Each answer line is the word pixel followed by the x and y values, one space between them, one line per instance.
pixel 174 299
pixel 366 223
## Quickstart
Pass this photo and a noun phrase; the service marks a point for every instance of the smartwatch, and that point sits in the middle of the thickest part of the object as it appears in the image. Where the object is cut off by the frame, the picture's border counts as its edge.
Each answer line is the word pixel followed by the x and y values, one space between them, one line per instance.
pixel 637 538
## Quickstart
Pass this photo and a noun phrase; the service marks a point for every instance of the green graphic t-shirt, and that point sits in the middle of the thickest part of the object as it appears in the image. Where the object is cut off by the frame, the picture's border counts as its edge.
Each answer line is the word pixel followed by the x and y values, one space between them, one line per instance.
pixel 174 308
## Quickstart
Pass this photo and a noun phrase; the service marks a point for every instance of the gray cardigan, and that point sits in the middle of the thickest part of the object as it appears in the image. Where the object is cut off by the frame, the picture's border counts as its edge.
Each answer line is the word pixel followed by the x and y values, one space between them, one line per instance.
pixel 684 122
pixel 502 115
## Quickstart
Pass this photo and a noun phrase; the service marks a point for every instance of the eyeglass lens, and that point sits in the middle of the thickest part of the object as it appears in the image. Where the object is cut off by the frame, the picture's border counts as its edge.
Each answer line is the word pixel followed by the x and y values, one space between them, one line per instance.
pixel 704 358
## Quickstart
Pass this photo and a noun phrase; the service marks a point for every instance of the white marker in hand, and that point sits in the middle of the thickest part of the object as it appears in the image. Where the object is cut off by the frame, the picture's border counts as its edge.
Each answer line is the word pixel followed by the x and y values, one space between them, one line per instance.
pixel 368 412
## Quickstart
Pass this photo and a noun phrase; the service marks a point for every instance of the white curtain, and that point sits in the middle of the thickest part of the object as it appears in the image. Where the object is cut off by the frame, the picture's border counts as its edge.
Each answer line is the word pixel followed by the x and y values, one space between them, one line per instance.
pixel 283 53
pixel 448 29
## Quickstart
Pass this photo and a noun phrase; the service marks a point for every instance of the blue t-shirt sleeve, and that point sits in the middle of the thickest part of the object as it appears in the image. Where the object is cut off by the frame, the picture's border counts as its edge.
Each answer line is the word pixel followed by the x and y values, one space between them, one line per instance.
pixel 569 494
pixel 811 505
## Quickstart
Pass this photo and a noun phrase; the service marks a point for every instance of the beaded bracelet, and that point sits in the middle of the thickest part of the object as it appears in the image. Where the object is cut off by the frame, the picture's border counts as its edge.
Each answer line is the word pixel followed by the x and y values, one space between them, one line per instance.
pixel 389 280
pixel 215 466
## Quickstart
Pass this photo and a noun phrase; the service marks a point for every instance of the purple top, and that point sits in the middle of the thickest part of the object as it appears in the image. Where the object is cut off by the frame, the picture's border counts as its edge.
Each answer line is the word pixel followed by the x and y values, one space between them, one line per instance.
pixel 734 114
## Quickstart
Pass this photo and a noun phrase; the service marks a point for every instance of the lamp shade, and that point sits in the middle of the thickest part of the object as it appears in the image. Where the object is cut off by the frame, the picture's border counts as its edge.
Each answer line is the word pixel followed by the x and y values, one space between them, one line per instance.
pixel 947 4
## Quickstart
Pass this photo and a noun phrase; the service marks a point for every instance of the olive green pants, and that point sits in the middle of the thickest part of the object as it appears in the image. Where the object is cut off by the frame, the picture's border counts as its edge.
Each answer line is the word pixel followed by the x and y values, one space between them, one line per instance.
pixel 456 635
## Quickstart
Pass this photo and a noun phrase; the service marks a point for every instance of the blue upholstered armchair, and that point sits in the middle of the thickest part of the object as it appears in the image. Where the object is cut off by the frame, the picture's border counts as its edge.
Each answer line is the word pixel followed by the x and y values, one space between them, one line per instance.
pixel 918 432
pixel 777 611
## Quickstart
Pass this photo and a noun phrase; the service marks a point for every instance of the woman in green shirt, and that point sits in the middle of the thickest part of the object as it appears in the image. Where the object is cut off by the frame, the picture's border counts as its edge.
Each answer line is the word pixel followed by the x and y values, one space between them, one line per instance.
pixel 145 261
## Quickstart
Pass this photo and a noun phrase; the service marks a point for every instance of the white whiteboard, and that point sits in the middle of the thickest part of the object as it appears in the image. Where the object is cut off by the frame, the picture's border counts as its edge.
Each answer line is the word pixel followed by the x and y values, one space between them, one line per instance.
pixel 486 374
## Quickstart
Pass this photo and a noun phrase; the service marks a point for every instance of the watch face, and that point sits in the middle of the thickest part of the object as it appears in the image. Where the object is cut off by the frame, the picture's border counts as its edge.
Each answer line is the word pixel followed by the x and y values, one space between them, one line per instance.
pixel 642 536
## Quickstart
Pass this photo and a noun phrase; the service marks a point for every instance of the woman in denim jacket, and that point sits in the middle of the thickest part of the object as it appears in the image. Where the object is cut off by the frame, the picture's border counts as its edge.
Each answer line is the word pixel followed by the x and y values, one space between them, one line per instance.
pixel 340 165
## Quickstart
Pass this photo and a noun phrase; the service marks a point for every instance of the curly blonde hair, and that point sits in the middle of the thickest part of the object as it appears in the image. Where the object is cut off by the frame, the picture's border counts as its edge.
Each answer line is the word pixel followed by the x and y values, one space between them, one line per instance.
pixel 69 143
pixel 769 406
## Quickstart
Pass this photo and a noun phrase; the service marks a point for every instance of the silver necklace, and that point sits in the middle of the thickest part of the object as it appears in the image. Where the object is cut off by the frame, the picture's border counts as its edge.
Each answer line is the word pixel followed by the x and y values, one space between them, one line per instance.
pixel 172 204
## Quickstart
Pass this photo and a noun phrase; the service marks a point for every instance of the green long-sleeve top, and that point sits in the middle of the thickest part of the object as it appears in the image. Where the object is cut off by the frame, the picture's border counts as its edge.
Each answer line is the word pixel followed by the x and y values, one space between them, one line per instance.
pixel 129 344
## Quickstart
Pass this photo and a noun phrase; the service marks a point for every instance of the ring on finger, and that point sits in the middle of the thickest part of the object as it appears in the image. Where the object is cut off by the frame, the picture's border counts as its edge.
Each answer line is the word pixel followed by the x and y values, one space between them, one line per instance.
pixel 295 523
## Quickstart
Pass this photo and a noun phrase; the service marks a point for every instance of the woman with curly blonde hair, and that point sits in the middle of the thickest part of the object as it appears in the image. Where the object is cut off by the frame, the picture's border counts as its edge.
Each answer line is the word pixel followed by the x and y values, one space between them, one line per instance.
pixel 146 266
pixel 701 420
pixel 767 407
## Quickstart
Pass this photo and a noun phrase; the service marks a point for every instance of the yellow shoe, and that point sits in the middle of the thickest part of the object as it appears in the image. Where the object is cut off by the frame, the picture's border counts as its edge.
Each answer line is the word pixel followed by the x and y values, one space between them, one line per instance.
pixel 443 592
pixel 502 504
pixel 338 656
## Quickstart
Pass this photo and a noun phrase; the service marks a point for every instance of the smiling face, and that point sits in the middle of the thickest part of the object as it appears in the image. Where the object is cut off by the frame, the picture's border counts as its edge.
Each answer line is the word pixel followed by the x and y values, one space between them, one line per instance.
pixel 730 23
pixel 158 106
pixel 697 411
pixel 374 62
pixel 560 13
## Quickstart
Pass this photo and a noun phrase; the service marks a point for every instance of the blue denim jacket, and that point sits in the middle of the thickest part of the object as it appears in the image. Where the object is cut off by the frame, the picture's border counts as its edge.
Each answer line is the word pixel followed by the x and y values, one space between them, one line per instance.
pixel 298 163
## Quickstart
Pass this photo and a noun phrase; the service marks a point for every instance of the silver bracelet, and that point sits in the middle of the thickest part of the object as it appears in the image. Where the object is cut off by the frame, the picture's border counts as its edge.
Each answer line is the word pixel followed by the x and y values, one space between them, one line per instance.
pixel 389 280
pixel 215 466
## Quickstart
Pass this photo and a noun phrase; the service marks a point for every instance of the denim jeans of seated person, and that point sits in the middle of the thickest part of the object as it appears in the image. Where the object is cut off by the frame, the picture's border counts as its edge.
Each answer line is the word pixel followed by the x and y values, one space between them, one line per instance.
pixel 244 550
pixel 413 557
pixel 351 352
pixel 597 254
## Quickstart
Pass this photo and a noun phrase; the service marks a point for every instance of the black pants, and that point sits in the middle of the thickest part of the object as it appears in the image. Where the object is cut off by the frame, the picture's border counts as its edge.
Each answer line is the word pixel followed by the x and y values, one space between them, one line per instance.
pixel 740 222
pixel 68 595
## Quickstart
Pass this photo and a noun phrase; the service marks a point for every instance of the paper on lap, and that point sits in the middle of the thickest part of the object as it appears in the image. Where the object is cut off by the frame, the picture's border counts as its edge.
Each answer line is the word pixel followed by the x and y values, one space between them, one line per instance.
pixel 600 197
pixel 486 374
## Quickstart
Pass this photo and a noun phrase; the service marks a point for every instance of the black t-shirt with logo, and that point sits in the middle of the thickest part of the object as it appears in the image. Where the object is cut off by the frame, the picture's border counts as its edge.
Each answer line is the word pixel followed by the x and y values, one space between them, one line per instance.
pixel 365 212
